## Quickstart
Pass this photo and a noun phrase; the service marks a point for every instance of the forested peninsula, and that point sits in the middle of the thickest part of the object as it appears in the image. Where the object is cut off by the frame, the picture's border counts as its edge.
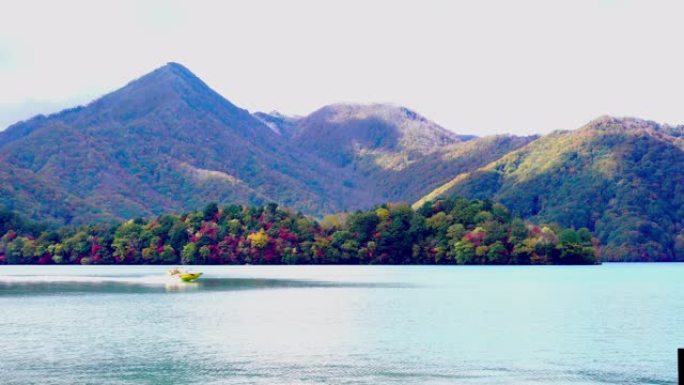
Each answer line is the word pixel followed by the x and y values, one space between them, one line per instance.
pixel 445 231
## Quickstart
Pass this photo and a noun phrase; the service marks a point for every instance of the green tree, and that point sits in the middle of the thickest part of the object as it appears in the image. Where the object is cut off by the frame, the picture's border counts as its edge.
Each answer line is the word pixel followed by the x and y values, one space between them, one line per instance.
pixel 210 211
pixel 497 253
pixel 167 255
pixel 464 252
pixel 189 254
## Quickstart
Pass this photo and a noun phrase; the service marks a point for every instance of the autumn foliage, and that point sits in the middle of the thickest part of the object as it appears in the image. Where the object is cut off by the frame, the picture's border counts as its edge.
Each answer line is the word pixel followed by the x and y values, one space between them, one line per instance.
pixel 447 231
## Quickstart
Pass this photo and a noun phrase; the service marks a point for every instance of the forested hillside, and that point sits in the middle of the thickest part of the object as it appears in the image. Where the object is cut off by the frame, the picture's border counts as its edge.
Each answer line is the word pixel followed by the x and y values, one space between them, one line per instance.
pixel 168 142
pixel 393 151
pixel 621 178
pixel 164 142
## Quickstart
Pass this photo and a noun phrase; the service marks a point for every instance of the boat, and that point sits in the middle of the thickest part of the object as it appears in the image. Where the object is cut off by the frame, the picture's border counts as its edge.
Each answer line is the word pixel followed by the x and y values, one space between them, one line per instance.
pixel 190 277
pixel 185 276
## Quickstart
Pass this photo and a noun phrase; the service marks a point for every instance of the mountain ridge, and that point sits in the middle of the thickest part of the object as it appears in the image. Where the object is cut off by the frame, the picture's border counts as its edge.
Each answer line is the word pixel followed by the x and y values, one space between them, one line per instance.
pixel 620 177
pixel 144 131
pixel 166 141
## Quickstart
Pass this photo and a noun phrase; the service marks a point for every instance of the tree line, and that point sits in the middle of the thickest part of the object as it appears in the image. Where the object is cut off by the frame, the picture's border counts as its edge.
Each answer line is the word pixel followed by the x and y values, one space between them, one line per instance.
pixel 445 231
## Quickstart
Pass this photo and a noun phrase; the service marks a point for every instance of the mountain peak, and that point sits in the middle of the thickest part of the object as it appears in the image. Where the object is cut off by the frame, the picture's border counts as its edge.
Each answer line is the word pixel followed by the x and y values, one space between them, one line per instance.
pixel 393 123
pixel 177 70
pixel 607 123
pixel 175 65
pixel 170 87
pixel 171 74
pixel 385 111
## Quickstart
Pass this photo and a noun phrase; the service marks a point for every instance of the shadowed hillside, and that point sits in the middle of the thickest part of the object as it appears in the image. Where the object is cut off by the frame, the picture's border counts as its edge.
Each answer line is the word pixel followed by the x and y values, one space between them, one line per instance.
pixel 167 142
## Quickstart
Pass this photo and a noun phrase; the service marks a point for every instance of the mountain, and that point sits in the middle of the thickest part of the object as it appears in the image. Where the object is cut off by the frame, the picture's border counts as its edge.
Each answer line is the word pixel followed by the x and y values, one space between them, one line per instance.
pixel 164 142
pixel 343 132
pixel 168 142
pixel 395 152
pixel 623 178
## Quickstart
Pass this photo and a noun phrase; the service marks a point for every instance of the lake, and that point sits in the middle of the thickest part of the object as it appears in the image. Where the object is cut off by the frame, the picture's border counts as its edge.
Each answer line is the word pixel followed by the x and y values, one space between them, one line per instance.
pixel 608 324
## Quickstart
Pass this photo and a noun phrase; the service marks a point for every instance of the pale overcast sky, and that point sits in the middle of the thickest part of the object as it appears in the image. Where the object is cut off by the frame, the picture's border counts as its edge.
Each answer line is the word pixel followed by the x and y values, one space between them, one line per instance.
pixel 475 67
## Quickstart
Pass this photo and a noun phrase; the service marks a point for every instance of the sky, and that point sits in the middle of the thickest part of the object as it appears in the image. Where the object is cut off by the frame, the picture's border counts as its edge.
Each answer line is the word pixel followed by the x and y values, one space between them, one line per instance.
pixel 475 67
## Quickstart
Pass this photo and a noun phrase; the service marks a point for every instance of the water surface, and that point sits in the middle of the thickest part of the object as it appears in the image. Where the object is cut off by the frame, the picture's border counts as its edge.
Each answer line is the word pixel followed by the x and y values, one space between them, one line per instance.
pixel 609 324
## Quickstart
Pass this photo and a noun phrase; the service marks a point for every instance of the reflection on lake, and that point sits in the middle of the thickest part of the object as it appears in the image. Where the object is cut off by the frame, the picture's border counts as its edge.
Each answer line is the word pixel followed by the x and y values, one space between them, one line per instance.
pixel 609 324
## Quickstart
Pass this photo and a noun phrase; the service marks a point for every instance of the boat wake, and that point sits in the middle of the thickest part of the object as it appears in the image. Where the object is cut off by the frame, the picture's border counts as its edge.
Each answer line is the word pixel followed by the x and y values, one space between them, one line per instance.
pixel 38 279
pixel 85 284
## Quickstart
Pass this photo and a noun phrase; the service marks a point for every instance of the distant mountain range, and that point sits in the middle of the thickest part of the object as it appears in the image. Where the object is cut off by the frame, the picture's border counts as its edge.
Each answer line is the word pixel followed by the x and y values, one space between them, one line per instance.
pixel 168 142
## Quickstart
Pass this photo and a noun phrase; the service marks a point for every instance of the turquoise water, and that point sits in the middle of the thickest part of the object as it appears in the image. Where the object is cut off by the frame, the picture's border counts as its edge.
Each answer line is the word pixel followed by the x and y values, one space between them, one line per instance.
pixel 609 324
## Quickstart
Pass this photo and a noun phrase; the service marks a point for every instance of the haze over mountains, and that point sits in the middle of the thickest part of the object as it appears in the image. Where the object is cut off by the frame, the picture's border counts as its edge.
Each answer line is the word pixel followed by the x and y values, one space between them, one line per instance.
pixel 168 142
